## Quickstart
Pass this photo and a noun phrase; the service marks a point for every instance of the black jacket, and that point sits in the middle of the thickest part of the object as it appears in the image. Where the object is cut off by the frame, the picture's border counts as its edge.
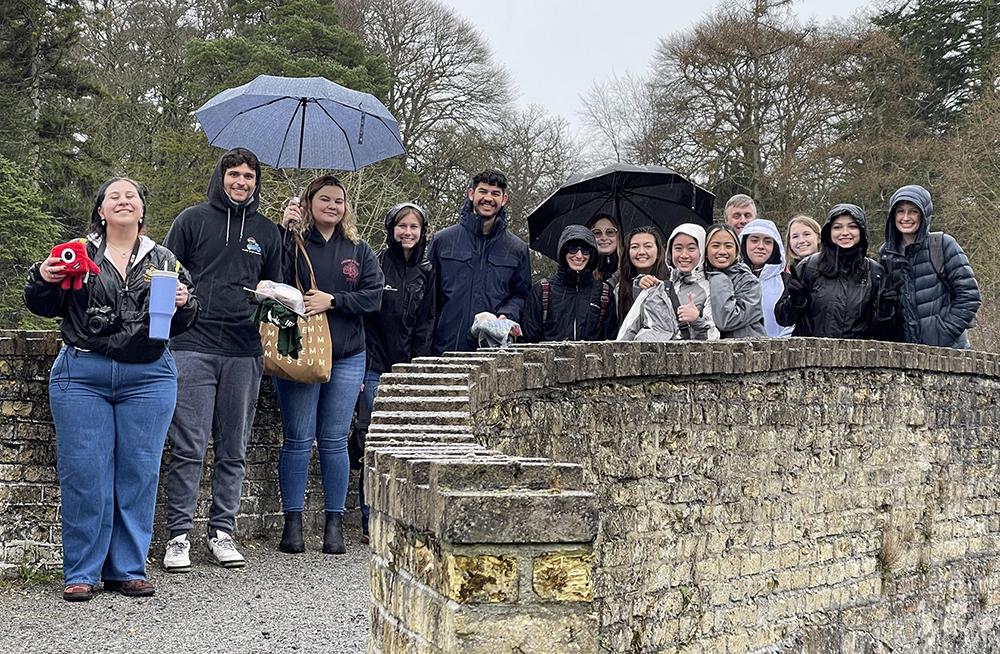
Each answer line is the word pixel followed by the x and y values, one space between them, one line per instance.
pixel 226 246
pixel 931 310
pixel 404 326
pixel 348 271
pixel 129 341
pixel 575 300
pixel 841 305
pixel 476 272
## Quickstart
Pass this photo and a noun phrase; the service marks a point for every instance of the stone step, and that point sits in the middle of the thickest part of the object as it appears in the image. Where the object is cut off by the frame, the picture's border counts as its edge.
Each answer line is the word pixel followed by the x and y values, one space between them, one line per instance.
pixel 427 378
pixel 421 418
pixel 421 390
pixel 423 369
pixel 421 404
pixel 390 428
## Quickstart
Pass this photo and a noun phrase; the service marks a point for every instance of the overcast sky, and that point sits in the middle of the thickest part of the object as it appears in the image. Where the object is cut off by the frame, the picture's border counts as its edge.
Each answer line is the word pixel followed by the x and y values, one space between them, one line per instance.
pixel 556 49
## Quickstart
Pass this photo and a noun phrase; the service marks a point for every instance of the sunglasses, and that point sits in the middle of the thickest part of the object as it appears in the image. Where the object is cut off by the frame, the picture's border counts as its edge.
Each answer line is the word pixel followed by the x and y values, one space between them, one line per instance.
pixel 610 231
pixel 585 249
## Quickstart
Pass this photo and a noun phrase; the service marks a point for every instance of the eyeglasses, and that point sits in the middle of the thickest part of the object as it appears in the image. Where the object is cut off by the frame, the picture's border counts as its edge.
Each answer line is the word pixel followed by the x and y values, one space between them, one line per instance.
pixel 584 249
pixel 610 231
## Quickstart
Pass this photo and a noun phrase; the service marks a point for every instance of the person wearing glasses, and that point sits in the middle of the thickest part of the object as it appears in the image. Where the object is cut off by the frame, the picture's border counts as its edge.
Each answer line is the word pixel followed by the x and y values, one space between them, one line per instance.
pixel 571 305
pixel 609 247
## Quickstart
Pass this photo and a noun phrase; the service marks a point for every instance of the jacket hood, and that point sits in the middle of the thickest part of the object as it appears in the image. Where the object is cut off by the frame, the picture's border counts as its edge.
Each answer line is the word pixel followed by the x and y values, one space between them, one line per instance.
pixel 473 222
pixel 577 233
pixel 839 210
pixel 697 232
pixel 919 196
pixel 765 228
pixel 219 199
pixel 394 246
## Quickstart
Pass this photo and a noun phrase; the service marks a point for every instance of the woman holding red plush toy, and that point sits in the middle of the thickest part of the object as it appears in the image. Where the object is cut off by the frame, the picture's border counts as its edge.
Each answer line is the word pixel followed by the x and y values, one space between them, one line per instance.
pixel 112 389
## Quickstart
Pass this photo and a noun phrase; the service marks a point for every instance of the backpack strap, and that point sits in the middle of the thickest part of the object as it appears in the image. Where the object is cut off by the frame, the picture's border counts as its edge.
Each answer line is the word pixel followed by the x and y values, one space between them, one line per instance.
pixel 935 243
pixel 545 299
pixel 605 300
pixel 676 303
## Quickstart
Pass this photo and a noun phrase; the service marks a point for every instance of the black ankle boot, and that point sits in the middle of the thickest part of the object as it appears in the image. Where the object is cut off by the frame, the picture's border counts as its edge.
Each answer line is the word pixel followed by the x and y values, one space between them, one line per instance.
pixel 291 537
pixel 333 536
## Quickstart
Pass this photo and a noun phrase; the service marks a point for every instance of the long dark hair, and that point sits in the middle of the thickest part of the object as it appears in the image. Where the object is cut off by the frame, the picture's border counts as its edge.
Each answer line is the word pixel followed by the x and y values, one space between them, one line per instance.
pixel 97 225
pixel 628 270
pixel 834 259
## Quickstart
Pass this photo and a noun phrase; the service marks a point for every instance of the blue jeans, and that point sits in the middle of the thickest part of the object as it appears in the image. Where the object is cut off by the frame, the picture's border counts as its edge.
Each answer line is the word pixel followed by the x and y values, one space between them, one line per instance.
pixel 111 420
pixel 369 393
pixel 320 412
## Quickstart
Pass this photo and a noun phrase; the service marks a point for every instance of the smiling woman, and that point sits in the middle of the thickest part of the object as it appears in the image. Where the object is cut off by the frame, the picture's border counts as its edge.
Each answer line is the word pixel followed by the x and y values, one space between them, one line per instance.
pixel 571 305
pixel 839 292
pixel 341 277
pixel 112 392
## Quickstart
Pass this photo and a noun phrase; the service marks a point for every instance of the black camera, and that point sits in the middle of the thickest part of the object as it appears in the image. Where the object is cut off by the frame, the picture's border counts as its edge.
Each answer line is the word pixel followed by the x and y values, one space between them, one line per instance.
pixel 101 320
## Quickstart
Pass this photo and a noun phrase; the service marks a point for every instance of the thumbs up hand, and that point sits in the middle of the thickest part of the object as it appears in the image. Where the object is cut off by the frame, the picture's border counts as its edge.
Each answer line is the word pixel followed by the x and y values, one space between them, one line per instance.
pixel 688 312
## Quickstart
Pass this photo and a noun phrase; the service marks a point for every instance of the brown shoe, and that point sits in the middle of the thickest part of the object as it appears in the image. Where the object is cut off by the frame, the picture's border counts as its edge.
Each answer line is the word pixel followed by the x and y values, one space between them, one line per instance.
pixel 78 593
pixel 132 587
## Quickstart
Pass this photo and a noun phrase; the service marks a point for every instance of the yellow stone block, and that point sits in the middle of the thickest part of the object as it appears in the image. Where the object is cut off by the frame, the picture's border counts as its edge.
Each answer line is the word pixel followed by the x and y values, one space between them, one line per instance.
pixel 564 576
pixel 483 578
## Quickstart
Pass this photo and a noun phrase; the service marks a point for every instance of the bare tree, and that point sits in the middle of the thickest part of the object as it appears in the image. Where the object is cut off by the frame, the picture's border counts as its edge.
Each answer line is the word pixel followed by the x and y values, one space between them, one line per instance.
pixel 443 70
pixel 619 115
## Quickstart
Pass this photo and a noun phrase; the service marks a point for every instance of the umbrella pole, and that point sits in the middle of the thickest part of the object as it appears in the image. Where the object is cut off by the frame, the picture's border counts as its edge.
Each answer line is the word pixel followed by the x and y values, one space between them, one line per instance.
pixel 302 131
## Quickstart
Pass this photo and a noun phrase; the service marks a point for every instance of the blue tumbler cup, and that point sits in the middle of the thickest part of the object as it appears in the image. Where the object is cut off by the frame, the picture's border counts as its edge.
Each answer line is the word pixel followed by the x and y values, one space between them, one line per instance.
pixel 162 295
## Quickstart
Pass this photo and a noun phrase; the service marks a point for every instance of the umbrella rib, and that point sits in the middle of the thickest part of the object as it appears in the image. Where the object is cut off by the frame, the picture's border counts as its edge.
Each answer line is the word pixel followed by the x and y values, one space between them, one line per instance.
pixel 288 129
pixel 354 163
pixel 244 111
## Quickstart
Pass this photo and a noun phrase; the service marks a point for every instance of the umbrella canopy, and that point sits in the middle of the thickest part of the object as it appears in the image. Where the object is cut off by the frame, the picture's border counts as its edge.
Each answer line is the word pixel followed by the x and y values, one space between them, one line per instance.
pixel 637 196
pixel 304 122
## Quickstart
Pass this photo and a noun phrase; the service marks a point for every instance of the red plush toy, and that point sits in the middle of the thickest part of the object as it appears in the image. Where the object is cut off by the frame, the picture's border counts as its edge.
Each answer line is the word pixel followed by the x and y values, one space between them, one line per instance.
pixel 78 264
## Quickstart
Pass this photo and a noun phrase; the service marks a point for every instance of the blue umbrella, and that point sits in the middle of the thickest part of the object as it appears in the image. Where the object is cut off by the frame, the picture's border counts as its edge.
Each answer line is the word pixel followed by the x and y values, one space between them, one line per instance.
pixel 303 122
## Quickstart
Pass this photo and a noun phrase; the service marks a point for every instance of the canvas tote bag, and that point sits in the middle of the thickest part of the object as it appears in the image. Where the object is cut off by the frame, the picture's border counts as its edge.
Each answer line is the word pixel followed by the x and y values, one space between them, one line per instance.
pixel 314 362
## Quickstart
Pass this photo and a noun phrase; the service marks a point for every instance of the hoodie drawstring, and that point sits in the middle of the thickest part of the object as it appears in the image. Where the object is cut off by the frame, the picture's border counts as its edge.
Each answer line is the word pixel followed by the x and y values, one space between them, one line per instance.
pixel 227 226
pixel 242 223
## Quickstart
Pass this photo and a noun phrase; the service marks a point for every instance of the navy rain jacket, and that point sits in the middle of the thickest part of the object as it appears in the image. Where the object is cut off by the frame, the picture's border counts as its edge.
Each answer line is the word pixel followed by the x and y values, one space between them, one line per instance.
pixel 476 272
pixel 929 312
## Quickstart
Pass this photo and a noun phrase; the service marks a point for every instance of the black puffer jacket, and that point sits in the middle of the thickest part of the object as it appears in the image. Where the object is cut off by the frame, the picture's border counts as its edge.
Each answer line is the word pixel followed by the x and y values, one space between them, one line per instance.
pixel 843 305
pixel 930 311
pixel 404 326
pixel 575 311
pixel 129 341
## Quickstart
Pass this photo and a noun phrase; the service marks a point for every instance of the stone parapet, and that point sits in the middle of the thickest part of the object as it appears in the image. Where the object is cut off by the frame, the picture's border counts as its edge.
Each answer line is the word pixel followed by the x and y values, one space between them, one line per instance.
pixel 795 495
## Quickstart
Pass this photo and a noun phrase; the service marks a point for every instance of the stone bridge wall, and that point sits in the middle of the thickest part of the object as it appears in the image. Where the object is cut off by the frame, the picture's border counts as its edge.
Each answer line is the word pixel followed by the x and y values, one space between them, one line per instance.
pixel 739 497
pixel 30 531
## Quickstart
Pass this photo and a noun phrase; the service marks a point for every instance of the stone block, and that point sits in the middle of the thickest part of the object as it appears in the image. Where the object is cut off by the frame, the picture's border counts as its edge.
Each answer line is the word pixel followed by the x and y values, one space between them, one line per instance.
pixel 482 578
pixel 563 576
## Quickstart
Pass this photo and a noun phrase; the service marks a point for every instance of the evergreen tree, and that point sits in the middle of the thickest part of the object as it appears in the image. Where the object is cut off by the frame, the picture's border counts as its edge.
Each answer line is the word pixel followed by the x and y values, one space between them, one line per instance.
pixel 955 41
pixel 27 234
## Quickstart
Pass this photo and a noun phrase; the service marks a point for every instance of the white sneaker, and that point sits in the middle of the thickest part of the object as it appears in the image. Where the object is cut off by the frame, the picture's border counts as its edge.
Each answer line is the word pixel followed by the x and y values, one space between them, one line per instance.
pixel 178 556
pixel 223 548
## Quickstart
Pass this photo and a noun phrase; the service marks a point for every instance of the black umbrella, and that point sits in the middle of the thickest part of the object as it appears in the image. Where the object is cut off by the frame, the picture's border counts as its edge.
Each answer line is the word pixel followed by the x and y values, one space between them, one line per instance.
pixel 637 196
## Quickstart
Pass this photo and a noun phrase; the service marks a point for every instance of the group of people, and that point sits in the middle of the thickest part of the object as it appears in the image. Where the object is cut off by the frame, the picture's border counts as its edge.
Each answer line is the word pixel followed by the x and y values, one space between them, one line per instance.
pixel 740 279
pixel 117 395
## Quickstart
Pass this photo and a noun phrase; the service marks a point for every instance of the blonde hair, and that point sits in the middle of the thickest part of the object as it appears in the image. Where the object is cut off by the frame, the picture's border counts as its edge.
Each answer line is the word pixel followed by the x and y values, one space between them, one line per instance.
pixel 348 225
pixel 801 219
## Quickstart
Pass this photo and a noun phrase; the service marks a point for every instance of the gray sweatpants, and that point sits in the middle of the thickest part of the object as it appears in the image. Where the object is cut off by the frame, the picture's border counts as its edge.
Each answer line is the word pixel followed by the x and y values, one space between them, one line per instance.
pixel 217 396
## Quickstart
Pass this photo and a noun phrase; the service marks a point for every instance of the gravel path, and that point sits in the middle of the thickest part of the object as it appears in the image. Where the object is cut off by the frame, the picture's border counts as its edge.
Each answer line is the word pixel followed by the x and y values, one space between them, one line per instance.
pixel 308 602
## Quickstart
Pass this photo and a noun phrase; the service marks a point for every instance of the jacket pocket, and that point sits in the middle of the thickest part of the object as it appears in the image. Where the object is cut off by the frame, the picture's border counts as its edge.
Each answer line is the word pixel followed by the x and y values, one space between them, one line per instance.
pixel 456 266
pixel 502 268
